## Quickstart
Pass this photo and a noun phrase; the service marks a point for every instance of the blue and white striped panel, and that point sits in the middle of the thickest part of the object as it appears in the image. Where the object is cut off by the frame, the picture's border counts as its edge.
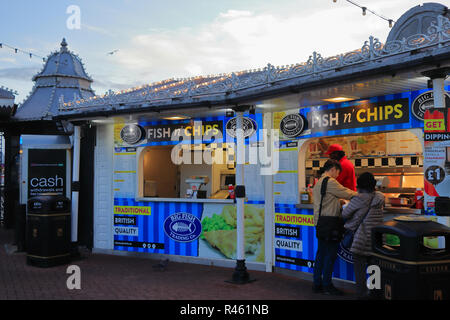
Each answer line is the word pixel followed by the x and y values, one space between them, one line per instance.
pixel 299 260
pixel 151 227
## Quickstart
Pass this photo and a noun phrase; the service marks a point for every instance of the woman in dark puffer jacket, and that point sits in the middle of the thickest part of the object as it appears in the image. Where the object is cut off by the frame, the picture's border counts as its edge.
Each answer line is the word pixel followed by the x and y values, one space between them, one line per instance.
pixel 353 214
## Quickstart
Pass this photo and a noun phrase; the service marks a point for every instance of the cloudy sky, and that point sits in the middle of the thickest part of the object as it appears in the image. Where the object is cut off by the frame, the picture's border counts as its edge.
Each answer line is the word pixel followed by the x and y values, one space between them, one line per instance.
pixel 156 40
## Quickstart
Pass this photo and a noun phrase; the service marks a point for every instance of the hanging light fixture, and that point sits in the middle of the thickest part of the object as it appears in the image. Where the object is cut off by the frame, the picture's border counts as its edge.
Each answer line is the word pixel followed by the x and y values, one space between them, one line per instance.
pixel 364 11
pixel 390 23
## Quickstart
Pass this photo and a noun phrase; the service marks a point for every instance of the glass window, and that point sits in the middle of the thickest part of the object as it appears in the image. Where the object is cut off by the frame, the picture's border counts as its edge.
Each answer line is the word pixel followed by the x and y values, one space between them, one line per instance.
pixel 186 171
pixel 394 158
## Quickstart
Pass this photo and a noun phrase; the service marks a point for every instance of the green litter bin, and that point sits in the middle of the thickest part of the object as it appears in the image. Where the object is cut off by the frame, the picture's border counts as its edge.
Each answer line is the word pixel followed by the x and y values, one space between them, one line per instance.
pixel 48 231
pixel 413 254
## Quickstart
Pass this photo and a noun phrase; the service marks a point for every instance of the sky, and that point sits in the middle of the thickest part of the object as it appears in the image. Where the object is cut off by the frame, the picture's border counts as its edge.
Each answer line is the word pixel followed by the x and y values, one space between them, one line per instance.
pixel 157 40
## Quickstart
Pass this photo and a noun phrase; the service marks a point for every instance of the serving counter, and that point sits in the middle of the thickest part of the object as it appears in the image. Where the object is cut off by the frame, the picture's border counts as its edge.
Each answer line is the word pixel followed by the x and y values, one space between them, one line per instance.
pixel 185 200
pixel 389 212
pixel 386 210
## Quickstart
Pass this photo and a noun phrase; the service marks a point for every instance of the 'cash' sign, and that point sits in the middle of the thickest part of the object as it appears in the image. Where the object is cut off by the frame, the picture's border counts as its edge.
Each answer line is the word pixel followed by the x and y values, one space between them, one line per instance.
pixel 46 172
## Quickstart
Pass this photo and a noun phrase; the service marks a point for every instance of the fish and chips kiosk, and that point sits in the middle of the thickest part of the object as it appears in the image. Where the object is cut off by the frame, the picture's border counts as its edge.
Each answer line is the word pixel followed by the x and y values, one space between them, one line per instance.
pixel 169 152
pixel 171 196
pixel 383 135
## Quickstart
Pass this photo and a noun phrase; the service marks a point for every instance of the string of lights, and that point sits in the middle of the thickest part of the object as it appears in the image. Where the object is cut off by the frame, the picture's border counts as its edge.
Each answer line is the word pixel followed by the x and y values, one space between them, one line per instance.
pixel 17 50
pixel 365 9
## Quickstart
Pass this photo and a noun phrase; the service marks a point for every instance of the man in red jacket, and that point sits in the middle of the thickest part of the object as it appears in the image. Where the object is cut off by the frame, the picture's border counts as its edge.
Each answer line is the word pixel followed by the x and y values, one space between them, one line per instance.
pixel 347 176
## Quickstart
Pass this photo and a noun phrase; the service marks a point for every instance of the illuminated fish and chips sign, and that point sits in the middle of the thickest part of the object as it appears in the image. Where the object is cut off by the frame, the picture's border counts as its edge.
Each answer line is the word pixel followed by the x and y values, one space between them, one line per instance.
pixel 365 114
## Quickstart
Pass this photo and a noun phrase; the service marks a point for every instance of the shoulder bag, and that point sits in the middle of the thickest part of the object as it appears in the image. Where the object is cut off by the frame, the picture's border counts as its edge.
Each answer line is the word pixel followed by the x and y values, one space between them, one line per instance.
pixel 328 228
pixel 347 240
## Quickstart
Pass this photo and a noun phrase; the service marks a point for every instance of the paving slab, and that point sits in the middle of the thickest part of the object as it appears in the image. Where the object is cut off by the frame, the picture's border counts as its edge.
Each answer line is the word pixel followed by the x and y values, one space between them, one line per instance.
pixel 115 277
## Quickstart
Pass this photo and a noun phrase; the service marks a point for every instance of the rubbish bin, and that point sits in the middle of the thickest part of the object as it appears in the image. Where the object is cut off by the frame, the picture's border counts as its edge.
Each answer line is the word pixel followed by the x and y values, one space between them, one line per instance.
pixel 48 231
pixel 442 206
pixel 417 265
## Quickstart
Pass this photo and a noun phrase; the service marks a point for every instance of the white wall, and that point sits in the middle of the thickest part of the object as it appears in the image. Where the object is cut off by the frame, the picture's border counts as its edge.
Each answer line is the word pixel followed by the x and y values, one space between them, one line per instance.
pixel 103 187
pixel 189 170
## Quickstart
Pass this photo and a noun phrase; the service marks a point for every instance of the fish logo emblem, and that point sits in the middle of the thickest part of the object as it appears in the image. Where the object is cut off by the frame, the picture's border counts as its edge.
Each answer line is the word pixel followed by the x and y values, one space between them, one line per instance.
pixel 182 227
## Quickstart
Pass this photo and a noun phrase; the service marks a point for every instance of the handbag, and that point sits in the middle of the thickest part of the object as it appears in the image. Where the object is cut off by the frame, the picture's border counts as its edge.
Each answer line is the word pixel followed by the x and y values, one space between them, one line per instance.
pixel 328 228
pixel 347 240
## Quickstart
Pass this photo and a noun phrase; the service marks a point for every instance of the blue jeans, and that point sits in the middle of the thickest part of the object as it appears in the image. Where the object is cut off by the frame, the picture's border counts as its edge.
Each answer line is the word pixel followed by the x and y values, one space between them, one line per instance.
pixel 324 263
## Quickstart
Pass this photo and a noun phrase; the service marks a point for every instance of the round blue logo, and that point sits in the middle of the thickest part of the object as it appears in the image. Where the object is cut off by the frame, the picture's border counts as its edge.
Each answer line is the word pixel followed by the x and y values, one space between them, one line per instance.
pixel 182 227
pixel 345 254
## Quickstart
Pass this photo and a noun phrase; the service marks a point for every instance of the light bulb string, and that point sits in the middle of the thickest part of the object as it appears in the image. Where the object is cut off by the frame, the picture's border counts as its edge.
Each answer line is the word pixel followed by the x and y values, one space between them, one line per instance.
pixel 364 9
pixel 16 50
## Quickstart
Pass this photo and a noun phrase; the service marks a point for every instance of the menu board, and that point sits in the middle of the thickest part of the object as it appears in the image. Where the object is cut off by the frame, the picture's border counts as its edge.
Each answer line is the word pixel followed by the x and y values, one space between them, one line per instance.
pixel 437 156
pixel 285 181
pixel 402 142
pixel 353 146
pixel 253 179
pixel 124 178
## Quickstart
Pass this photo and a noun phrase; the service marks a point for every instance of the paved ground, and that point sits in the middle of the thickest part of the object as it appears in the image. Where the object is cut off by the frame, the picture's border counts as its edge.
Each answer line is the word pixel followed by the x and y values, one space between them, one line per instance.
pixel 110 277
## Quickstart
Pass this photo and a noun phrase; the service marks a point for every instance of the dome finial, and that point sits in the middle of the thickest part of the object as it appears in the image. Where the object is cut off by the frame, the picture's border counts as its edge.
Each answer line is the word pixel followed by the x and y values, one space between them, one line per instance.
pixel 63 44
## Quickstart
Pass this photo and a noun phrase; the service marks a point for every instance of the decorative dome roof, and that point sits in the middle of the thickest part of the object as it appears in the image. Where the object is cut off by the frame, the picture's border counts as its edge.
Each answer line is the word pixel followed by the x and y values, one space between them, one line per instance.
pixel 6 93
pixel 63 63
pixel 417 20
pixel 62 78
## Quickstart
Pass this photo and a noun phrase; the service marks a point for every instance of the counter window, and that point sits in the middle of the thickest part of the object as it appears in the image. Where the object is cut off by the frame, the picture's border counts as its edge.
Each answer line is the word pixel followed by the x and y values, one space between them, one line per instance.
pixel 394 158
pixel 186 171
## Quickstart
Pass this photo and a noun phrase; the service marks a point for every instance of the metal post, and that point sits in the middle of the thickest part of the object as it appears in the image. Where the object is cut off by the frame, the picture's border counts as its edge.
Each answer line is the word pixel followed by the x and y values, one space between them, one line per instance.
pixel 240 159
pixel 240 275
pixel 438 92
pixel 269 224
pixel 438 77
pixel 75 185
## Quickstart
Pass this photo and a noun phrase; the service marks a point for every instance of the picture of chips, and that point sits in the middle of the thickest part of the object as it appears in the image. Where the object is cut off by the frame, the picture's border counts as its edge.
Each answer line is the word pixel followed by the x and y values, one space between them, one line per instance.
pixel 221 234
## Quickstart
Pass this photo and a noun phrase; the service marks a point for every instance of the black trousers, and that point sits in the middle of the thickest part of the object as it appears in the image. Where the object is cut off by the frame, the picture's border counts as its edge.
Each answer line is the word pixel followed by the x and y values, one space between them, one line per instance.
pixel 360 264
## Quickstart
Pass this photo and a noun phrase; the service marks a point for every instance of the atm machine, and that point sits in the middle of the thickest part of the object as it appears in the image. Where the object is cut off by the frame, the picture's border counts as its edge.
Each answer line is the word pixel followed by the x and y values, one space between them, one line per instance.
pixel 45 166
pixel 45 192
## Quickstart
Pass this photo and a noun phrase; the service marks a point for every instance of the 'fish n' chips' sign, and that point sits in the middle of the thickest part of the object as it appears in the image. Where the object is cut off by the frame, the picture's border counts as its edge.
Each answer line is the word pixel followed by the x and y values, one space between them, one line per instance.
pixel 364 114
